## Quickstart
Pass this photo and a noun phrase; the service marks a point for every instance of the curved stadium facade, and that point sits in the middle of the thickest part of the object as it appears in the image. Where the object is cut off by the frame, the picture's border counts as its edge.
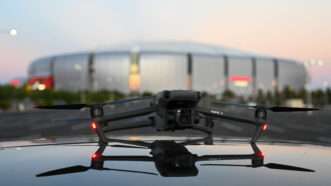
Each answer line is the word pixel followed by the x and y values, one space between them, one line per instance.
pixel 151 67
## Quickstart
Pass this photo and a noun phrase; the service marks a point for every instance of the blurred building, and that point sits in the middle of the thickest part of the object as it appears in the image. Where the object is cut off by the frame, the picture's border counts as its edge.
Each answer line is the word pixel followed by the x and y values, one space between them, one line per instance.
pixel 141 67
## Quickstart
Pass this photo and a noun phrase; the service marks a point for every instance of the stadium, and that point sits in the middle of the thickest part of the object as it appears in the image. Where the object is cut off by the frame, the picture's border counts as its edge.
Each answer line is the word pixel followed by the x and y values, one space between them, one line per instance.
pixel 154 66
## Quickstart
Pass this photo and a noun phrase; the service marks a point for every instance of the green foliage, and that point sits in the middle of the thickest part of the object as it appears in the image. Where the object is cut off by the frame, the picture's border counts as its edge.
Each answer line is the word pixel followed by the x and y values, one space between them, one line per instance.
pixel 318 97
pixel 302 94
pixel 67 97
pixel 328 95
pixel 269 96
pixel 103 96
pixel 6 91
pixel 147 94
pixel 9 94
pixel 4 104
pixel 261 97
pixel 288 93
pixel 228 94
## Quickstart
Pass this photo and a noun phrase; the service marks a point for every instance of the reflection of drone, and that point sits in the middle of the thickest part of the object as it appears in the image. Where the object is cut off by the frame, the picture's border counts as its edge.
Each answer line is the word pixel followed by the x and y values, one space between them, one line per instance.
pixel 171 111
pixel 171 159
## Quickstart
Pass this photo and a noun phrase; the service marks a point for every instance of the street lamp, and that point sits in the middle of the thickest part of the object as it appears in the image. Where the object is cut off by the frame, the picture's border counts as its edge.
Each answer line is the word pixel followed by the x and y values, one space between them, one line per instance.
pixel 325 88
pixel 79 69
pixel 312 63
pixel 11 32
pixel 310 66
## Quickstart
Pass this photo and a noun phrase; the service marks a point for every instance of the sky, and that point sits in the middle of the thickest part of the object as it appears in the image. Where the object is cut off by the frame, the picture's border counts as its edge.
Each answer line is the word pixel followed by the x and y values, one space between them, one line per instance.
pixel 296 29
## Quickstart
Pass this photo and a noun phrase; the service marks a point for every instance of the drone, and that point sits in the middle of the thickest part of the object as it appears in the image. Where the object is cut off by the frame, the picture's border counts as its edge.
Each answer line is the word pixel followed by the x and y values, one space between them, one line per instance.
pixel 171 159
pixel 173 110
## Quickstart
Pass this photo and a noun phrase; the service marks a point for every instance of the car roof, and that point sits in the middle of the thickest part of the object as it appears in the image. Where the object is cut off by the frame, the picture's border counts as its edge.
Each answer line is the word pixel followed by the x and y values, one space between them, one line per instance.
pixel 21 165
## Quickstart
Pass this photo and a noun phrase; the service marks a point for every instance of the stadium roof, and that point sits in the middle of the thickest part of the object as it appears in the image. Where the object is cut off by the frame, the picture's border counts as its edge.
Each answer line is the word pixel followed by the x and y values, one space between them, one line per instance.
pixel 180 47
pixel 177 47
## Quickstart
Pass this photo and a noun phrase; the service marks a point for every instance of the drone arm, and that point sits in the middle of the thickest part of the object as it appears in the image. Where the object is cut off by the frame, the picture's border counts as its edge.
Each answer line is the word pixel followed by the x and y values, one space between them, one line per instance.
pixel 101 129
pixel 128 100
pixel 129 127
pixel 225 157
pixel 214 114
pixel 272 108
pixel 127 115
pixel 127 158
pixel 219 115
pixel 130 142
pixel 202 129
pixel 197 141
pixel 231 118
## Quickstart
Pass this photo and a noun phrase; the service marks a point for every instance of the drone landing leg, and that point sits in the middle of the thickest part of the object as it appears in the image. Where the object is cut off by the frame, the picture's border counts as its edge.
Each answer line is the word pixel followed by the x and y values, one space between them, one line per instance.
pixel 126 128
pixel 257 134
pixel 100 130
pixel 207 140
pixel 202 129
pixel 103 138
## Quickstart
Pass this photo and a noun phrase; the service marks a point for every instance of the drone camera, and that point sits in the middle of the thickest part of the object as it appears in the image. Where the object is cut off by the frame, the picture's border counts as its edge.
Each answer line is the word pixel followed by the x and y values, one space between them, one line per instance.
pixel 184 117
pixel 178 99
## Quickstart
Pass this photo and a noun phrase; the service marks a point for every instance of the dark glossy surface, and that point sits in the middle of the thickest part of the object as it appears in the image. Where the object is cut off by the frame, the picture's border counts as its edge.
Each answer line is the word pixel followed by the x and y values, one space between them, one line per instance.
pixel 19 166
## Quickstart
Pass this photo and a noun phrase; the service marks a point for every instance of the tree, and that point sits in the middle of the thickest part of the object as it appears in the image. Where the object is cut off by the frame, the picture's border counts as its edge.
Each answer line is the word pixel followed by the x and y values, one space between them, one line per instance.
pixel 228 94
pixel 261 98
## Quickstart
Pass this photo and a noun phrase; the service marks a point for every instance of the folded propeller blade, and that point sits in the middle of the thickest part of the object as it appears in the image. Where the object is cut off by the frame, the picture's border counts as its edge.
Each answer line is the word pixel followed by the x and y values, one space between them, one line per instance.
pixel 80 106
pixel 67 170
pixel 286 167
pixel 268 165
pixel 291 109
pixel 128 146
pixel 273 108
pixel 80 168
pixel 64 107
pixel 131 171
pixel 122 101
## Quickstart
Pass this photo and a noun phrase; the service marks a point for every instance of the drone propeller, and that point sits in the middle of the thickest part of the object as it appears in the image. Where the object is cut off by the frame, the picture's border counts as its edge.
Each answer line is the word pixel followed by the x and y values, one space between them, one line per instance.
pixel 80 168
pixel 73 120
pixel 272 108
pixel 80 106
pixel 67 170
pixel 268 165
pixel 290 109
pixel 128 146
pixel 64 107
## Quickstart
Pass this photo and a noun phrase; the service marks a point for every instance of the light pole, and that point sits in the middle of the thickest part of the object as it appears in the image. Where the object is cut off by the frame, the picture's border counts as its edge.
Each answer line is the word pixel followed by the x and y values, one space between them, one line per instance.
pixel 325 88
pixel 79 69
pixel 310 64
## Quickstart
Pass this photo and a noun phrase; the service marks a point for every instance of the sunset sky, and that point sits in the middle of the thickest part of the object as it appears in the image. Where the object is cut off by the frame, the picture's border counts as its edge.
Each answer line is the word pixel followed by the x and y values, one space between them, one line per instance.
pixel 297 29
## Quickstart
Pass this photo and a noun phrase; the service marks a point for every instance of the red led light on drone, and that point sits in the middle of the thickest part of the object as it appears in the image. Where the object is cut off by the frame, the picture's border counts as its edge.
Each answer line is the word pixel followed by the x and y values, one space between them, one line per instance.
pixel 96 156
pixel 259 154
pixel 264 126
pixel 94 125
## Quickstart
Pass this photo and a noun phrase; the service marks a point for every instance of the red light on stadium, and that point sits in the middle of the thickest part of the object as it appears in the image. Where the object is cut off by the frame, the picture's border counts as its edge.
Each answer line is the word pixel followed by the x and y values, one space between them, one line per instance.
pixel 264 127
pixel 15 83
pixel 41 82
pixel 240 78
